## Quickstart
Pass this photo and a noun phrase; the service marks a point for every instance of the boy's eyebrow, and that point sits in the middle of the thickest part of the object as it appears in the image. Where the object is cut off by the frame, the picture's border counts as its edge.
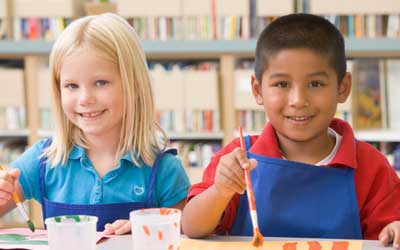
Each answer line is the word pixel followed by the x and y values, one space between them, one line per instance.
pixel 274 75
pixel 319 73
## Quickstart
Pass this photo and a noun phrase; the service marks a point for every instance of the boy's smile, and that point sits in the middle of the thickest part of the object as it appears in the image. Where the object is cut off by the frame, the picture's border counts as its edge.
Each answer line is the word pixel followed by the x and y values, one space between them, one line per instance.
pixel 300 92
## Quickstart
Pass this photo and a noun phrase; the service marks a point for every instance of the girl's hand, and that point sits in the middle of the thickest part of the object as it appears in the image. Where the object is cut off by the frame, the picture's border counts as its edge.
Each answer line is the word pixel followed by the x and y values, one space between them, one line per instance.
pixel 8 181
pixel 391 233
pixel 118 227
pixel 229 177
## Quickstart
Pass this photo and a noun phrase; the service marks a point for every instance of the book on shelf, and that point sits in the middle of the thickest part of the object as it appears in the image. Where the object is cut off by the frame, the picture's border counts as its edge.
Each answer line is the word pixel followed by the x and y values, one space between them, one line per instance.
pixel 361 18
pixel 267 11
pixel 195 154
pixel 12 107
pixel 194 91
pixel 43 20
pixel 249 115
pixel 369 107
pixel 393 91
pixel 44 91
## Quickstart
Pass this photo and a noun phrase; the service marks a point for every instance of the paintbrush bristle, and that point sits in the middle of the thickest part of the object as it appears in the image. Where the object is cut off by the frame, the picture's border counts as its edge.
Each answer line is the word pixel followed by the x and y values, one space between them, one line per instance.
pixel 31 226
pixel 258 239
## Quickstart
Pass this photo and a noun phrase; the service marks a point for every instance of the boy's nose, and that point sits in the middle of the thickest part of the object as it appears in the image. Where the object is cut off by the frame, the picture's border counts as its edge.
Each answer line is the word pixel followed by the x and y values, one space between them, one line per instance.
pixel 298 98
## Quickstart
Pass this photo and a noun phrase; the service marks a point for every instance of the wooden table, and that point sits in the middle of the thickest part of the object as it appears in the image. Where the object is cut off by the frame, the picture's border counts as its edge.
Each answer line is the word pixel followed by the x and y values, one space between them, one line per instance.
pixel 124 242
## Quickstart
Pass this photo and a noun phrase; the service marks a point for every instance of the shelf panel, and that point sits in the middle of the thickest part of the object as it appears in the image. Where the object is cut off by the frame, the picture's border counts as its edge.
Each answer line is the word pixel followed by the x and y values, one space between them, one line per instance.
pixel 210 47
pixel 170 135
pixel 378 135
pixel 14 133
pixel 196 136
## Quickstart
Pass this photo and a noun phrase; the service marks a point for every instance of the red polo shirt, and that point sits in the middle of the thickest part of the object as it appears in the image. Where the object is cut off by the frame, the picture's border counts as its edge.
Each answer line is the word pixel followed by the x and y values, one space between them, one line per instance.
pixel 377 184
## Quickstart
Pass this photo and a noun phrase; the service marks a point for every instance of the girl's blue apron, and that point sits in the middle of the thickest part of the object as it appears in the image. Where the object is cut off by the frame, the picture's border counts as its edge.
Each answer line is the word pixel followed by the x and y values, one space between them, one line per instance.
pixel 107 213
pixel 300 200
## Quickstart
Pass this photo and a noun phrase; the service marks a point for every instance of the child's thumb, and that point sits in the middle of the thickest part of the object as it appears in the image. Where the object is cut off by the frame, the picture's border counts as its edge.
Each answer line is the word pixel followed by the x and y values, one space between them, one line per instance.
pixel 253 164
pixel 14 172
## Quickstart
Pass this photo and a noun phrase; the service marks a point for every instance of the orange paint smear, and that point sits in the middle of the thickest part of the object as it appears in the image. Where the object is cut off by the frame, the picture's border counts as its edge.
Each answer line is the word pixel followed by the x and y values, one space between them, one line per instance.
pixel 340 245
pixel 146 230
pixel 165 211
pixel 314 245
pixel 290 246
pixel 171 247
pixel 160 235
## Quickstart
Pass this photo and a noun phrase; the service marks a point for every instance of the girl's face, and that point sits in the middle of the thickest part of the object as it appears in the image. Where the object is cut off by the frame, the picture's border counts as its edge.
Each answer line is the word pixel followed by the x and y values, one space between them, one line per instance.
pixel 91 93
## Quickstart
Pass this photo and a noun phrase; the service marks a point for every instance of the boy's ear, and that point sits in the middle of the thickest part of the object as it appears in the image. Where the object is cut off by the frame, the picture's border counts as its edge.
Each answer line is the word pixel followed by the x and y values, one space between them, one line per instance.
pixel 256 89
pixel 345 88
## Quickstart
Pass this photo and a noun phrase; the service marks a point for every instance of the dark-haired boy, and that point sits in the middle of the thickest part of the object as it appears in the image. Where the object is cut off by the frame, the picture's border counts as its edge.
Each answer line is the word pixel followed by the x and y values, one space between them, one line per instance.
pixel 313 177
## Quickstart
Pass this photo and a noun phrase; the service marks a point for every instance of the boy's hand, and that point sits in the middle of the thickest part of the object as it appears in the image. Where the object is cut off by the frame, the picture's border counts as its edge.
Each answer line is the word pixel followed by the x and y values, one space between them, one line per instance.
pixel 118 227
pixel 8 180
pixel 229 177
pixel 391 233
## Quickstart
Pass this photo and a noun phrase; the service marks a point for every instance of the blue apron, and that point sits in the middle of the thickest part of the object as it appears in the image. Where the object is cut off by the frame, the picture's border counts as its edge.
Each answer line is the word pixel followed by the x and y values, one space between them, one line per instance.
pixel 300 200
pixel 107 213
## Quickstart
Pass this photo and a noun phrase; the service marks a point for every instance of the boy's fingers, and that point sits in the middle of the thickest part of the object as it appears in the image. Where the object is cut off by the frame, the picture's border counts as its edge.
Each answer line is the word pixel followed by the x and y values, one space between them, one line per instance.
pixel 242 158
pixel 233 183
pixel 385 237
pixel 396 240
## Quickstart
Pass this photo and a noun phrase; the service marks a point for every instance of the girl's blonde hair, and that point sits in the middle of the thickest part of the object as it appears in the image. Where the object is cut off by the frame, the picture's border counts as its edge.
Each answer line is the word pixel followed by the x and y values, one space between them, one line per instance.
pixel 111 36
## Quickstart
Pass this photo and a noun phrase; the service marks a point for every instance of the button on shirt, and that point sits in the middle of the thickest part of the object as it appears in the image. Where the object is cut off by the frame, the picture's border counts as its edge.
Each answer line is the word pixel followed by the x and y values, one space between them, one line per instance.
pixel 78 182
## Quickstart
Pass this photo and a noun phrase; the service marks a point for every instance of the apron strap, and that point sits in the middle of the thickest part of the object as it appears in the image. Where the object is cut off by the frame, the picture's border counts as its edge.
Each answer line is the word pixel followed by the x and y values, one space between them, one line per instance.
pixel 153 176
pixel 247 142
pixel 42 171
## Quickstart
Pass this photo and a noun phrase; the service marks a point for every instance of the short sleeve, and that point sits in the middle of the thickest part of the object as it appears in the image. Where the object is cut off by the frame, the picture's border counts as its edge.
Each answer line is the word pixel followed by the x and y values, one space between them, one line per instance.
pixel 172 183
pixel 28 163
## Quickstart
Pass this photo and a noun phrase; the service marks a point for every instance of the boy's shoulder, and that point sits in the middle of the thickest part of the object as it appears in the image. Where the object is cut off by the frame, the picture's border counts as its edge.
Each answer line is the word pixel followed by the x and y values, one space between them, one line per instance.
pixel 366 153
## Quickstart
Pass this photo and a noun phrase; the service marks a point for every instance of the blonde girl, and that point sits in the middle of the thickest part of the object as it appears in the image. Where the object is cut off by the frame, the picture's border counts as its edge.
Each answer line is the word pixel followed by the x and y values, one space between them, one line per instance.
pixel 107 156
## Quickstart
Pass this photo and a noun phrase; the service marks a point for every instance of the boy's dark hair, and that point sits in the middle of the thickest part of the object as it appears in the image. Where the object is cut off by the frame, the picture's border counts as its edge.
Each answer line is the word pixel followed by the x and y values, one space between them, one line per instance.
pixel 301 31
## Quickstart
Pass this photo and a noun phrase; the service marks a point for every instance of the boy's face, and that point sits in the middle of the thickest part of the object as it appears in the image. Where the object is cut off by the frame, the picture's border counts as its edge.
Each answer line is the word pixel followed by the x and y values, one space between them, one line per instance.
pixel 300 92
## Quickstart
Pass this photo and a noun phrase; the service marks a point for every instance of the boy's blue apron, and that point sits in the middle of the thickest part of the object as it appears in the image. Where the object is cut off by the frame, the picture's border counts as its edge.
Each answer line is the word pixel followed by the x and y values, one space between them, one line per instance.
pixel 300 200
pixel 107 213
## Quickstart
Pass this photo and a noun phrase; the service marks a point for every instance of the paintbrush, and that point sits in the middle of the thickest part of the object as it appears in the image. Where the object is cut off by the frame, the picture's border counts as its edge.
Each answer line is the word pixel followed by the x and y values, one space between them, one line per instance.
pixel 21 209
pixel 258 239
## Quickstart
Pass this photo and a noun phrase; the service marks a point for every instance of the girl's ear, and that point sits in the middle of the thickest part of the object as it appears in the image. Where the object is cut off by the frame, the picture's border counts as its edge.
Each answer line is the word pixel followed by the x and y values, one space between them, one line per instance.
pixel 345 88
pixel 256 89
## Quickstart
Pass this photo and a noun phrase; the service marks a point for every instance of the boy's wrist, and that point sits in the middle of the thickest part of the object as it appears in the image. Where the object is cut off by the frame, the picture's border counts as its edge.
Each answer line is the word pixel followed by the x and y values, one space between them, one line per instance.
pixel 226 195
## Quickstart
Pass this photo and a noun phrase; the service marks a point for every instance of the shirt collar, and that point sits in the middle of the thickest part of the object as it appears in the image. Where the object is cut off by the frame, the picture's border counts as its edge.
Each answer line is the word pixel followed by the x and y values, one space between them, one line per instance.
pixel 267 144
pixel 77 152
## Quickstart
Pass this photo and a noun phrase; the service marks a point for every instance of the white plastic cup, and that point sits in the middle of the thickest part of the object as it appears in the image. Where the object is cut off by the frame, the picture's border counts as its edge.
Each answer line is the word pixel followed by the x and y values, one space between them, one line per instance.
pixel 67 232
pixel 156 228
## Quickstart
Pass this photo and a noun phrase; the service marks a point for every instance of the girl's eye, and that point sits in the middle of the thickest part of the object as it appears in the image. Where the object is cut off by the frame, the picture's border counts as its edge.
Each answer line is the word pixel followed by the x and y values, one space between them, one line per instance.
pixel 71 85
pixel 315 84
pixel 101 82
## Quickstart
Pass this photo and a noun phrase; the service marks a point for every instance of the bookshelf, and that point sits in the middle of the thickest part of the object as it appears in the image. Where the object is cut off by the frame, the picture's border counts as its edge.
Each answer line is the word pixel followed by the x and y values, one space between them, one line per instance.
pixel 226 53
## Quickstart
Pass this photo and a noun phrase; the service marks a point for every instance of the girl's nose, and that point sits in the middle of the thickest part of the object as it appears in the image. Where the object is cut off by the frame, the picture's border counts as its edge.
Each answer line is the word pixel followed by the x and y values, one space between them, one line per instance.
pixel 86 97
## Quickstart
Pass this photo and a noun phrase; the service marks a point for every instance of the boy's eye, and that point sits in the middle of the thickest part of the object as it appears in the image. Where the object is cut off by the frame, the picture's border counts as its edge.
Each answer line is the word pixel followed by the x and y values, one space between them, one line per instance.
pixel 315 84
pixel 281 84
pixel 101 82
pixel 71 85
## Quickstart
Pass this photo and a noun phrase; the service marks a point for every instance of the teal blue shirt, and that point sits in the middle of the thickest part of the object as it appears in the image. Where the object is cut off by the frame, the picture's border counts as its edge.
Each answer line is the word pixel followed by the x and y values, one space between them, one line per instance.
pixel 77 182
